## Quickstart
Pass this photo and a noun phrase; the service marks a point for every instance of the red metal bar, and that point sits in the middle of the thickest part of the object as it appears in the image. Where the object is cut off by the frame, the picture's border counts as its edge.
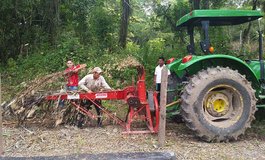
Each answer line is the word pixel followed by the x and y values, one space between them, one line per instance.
pixel 141 87
pixel 87 112
pixel 93 116
pixel 137 132
pixel 108 95
pixel 120 121
pixel 157 110
pixel 149 118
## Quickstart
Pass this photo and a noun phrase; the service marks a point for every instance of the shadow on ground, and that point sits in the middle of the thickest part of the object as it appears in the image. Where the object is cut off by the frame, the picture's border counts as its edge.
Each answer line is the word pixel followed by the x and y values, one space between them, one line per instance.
pixel 105 156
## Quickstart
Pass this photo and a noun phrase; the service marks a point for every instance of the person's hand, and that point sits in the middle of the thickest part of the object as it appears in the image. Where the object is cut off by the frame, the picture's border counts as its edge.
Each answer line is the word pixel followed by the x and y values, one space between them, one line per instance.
pixel 89 91
pixel 82 66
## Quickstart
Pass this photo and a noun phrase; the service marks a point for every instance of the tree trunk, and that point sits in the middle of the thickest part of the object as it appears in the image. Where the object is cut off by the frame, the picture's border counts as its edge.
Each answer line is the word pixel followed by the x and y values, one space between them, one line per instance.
pixel 18 35
pixel 124 22
pixel 52 19
pixel 205 4
pixel 55 20
pixel 196 4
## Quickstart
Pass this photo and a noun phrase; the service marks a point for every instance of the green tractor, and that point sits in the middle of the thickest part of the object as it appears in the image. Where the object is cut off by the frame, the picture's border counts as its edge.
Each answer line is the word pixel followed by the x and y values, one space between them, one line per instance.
pixel 219 93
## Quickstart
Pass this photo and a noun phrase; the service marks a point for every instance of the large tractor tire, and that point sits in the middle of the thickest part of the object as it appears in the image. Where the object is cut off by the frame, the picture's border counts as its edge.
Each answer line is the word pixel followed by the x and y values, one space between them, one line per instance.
pixel 218 104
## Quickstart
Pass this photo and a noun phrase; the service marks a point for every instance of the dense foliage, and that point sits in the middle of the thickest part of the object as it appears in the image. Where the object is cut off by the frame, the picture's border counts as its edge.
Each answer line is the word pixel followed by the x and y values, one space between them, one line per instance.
pixel 37 36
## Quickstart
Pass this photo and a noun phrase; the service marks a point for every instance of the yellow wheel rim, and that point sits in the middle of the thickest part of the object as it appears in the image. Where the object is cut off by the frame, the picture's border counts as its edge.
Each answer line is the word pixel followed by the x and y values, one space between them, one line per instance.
pixel 217 104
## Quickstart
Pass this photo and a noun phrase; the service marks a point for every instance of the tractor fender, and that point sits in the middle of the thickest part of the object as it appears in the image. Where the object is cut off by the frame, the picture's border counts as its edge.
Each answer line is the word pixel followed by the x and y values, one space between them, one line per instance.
pixel 197 63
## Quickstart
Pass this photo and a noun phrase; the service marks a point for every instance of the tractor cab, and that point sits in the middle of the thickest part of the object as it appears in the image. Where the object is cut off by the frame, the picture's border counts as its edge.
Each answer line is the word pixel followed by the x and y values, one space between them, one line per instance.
pixel 207 18
pixel 203 19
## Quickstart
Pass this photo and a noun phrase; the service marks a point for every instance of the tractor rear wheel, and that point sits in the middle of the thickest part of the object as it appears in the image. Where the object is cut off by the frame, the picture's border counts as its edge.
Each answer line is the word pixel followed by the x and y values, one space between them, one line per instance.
pixel 218 104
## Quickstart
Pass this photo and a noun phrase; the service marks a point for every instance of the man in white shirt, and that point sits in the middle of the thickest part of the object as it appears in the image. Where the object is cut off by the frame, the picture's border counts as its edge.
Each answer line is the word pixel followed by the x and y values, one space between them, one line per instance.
pixel 158 75
pixel 94 82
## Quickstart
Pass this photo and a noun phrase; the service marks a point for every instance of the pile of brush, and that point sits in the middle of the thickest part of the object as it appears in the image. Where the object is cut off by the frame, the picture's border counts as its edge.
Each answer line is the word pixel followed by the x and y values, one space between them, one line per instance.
pixel 30 104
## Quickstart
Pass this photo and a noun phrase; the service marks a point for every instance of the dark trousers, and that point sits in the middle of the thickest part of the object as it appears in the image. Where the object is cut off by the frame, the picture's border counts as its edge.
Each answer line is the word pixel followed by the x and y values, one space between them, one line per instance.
pixel 87 105
pixel 158 88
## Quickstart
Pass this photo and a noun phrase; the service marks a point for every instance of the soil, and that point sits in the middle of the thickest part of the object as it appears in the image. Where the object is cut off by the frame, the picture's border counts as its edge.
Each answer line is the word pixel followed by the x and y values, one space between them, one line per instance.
pixel 32 140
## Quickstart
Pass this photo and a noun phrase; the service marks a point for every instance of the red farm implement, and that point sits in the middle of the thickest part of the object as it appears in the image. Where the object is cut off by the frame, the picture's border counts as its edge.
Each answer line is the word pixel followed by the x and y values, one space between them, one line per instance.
pixel 142 106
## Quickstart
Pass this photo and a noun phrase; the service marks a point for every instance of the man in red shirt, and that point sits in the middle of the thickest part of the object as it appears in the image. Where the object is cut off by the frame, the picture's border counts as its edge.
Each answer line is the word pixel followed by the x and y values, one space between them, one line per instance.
pixel 71 74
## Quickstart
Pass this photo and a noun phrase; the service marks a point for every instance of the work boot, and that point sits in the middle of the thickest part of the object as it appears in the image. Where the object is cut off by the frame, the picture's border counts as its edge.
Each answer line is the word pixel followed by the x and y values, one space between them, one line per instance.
pixel 80 124
pixel 99 125
pixel 99 120
pixel 80 120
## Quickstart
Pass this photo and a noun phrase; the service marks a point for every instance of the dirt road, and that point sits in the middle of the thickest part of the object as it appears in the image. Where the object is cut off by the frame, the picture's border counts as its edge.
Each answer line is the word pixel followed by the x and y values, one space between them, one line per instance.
pixel 66 140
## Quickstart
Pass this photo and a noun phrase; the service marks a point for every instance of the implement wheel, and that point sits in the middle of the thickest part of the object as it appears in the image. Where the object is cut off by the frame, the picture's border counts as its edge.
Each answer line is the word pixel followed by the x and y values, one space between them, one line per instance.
pixel 218 104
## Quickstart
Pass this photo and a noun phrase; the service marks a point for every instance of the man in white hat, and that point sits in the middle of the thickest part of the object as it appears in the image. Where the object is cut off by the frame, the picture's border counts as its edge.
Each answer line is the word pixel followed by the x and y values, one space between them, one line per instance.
pixel 94 82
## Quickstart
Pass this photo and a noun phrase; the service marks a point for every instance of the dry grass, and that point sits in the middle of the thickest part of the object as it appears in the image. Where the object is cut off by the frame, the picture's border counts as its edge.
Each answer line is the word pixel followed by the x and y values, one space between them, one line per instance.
pixel 64 140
